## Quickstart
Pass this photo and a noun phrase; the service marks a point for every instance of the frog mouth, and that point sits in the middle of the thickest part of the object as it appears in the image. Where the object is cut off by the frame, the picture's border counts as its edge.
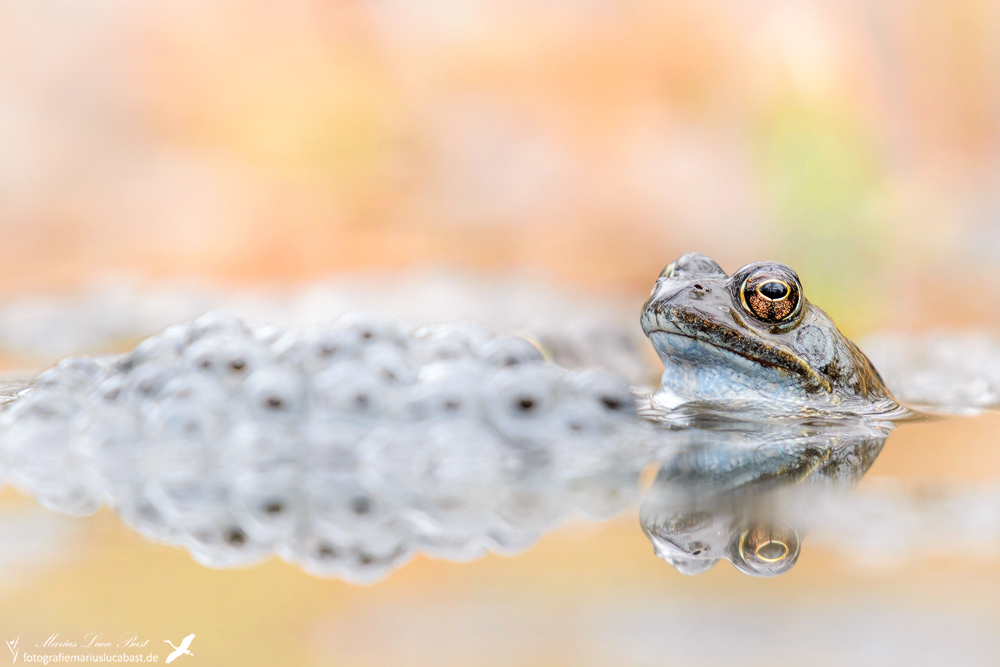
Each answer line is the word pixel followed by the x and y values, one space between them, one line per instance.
pixel 689 323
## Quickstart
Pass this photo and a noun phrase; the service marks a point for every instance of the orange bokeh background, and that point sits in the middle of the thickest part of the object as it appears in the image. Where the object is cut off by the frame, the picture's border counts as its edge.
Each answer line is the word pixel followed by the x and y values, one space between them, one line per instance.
pixel 596 140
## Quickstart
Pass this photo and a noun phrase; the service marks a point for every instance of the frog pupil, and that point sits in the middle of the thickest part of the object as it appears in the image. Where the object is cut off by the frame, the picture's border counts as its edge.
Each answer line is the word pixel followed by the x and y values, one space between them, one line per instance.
pixel 773 290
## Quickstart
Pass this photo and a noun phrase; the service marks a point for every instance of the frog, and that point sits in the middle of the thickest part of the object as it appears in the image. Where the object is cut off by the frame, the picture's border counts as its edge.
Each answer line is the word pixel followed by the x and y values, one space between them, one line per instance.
pixel 751 344
pixel 750 495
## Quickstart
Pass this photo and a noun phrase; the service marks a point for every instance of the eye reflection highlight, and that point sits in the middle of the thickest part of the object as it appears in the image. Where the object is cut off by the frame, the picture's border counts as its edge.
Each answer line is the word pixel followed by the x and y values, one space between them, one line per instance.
pixel 766 550
pixel 771 551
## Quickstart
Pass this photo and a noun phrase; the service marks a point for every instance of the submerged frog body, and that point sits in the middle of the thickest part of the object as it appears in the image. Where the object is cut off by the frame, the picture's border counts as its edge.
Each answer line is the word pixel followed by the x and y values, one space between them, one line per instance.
pixel 751 343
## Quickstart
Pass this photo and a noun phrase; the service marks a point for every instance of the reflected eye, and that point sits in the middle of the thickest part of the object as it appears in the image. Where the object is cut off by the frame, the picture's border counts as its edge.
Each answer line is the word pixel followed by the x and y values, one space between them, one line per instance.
pixel 771 294
pixel 771 551
pixel 767 550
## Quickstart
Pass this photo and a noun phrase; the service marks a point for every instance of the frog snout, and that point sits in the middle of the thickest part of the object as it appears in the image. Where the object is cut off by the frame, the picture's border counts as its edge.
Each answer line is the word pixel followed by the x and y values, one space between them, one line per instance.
pixel 675 292
pixel 698 291
pixel 688 292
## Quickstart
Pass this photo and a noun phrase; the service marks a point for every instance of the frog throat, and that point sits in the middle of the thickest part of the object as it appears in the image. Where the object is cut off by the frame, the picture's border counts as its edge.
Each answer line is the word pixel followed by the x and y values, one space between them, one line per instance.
pixel 675 320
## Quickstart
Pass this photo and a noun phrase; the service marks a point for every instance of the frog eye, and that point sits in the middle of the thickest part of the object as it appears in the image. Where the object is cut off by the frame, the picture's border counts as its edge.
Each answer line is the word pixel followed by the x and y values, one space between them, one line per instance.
pixel 767 550
pixel 770 294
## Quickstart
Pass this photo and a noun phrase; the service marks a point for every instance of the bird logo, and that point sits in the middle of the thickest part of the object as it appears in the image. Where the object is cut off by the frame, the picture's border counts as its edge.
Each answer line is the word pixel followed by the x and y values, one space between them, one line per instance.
pixel 180 650
pixel 12 645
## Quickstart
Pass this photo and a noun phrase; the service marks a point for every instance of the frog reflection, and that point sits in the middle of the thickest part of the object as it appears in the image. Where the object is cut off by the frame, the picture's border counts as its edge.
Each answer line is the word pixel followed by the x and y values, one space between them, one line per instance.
pixel 744 494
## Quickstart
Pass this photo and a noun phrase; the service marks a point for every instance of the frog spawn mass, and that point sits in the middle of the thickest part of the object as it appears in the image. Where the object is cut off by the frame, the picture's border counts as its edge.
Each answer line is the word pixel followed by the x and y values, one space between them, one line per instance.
pixel 344 448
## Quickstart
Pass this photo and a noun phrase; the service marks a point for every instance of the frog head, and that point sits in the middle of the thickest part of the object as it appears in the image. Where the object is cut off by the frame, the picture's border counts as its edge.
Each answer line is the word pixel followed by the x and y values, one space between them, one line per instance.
pixel 752 338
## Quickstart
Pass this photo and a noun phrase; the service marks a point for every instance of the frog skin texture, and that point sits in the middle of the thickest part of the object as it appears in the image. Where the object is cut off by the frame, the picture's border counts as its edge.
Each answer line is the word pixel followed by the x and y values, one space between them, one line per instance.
pixel 751 344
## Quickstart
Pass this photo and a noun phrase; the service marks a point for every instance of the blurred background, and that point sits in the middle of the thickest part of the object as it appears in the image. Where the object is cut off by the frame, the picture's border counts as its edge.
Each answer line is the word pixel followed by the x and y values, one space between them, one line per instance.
pixel 582 144
pixel 593 140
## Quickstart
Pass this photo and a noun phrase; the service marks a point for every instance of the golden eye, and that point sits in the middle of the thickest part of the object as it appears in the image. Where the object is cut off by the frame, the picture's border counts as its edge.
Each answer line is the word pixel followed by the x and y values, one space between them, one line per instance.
pixel 769 297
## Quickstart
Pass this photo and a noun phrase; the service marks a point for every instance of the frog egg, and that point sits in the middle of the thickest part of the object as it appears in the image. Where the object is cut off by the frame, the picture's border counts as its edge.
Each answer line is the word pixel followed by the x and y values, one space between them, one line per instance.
pixel 51 408
pixel 217 323
pixel 183 423
pixel 187 421
pixel 180 487
pixel 389 461
pixel 579 439
pixel 182 494
pixel 447 390
pixel 595 342
pixel 217 540
pixel 268 334
pixel 321 346
pixel 186 470
pixel 110 450
pixel 524 460
pixel 315 554
pixel 365 566
pixel 577 418
pixel 72 374
pixel 277 391
pixel 229 358
pixel 519 399
pixel 321 557
pixel 33 449
pixel 74 497
pixel 35 455
pixel 511 351
pixel 461 466
pixel 507 540
pixel 180 473
pixel 326 551
pixel 143 515
pixel 604 496
pixel 164 346
pixel 368 329
pixel 609 389
pixel 390 363
pixel 347 513
pixel 354 389
pixel 264 446
pixel 457 546
pixel 356 563
pixel 108 389
pixel 447 476
pixel 267 503
pixel 143 385
pixel 440 342
pixel 523 512
pixel 193 388
pixel 331 444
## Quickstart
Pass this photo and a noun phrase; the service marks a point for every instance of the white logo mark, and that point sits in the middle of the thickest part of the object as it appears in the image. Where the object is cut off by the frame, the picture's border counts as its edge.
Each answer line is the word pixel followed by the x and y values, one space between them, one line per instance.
pixel 180 650
pixel 12 645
